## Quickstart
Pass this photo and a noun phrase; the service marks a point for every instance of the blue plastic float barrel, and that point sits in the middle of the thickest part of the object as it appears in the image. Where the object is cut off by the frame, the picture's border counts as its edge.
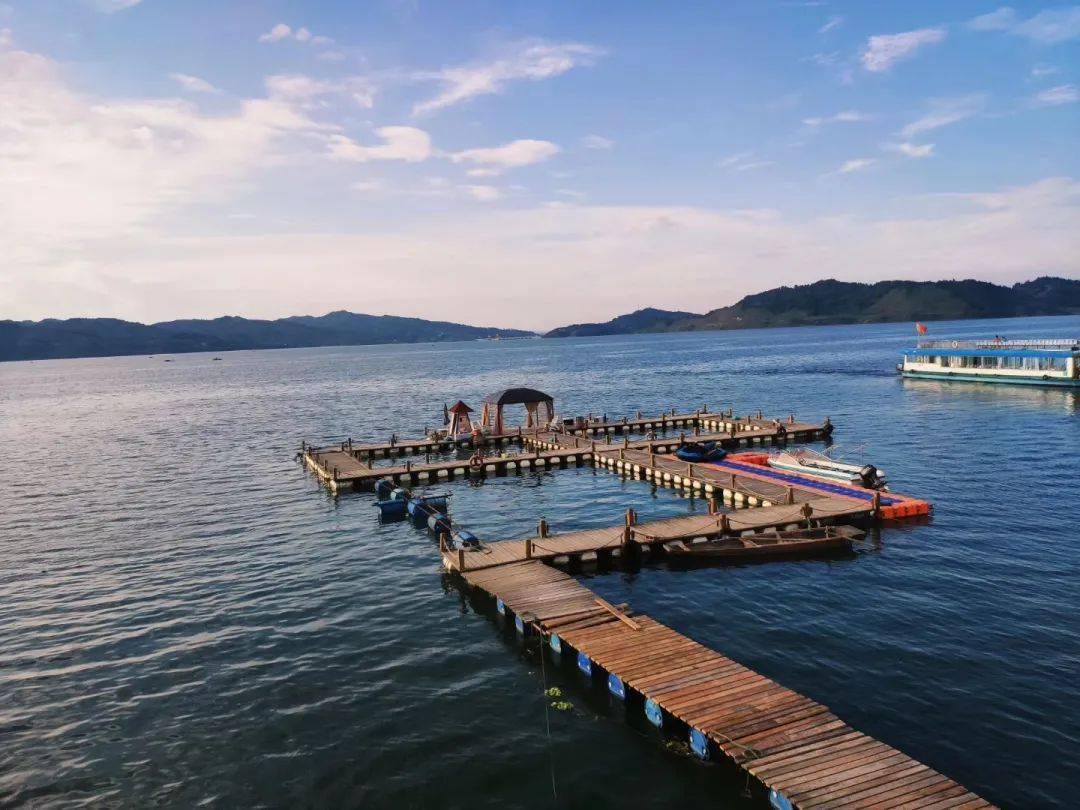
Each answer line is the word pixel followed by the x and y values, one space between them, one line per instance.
pixel 519 625
pixel 391 509
pixel 616 686
pixel 416 509
pixel 399 494
pixel 500 606
pixel 439 524
pixel 778 801
pixel 555 642
pixel 654 713
pixel 584 664
pixel 383 488
pixel 699 744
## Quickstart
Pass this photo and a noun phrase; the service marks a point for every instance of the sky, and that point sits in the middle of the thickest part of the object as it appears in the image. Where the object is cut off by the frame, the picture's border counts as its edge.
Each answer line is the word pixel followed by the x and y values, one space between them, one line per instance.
pixel 524 164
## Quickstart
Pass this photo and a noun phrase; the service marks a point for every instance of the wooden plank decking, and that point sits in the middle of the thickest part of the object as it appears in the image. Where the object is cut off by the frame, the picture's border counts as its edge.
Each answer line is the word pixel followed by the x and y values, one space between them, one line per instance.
pixel 788 742
pixel 612 539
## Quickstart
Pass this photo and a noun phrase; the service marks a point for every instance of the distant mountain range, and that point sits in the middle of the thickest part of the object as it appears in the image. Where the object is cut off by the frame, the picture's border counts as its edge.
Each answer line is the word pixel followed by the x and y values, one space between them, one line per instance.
pixel 839 302
pixel 101 337
pixel 823 302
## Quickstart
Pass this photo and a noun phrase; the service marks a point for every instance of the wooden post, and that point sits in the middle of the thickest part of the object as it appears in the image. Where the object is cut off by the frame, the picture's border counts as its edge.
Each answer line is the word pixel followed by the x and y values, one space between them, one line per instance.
pixel 791 494
pixel 442 541
pixel 461 559
pixel 542 528
pixel 877 503
pixel 626 441
pixel 622 454
pixel 791 419
pixel 682 437
pixel 807 512
pixel 690 469
pixel 631 517
pixel 528 548
pixel 725 524
pixel 712 506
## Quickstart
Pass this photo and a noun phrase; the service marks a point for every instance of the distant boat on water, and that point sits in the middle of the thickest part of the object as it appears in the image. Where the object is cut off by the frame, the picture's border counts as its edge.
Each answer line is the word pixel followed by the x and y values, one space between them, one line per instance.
pixel 1019 362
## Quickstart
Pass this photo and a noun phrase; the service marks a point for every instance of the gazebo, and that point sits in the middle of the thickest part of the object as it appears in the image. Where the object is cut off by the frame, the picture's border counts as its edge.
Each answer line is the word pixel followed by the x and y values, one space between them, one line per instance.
pixel 539 408
pixel 459 423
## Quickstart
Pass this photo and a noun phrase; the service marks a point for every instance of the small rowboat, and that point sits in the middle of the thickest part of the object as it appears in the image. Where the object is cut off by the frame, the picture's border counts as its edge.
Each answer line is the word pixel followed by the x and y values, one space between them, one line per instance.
pixel 798 542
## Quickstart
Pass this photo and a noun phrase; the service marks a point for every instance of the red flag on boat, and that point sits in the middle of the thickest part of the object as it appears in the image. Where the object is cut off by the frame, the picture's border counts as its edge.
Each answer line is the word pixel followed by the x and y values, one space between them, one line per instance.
pixel 920 328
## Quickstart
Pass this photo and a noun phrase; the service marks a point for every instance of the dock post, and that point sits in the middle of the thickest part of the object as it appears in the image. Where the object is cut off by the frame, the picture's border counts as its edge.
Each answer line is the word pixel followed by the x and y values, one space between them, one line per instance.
pixel 877 504
pixel 690 469
pixel 791 419
pixel 528 548
pixel 631 517
pixel 682 436
pixel 442 542
pixel 791 494
pixel 807 512
pixel 542 528
pixel 461 559
pixel 725 524
pixel 626 442
pixel 622 454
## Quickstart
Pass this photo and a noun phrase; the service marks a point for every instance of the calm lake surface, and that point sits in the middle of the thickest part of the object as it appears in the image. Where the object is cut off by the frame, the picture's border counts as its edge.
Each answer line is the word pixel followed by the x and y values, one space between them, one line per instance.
pixel 188 618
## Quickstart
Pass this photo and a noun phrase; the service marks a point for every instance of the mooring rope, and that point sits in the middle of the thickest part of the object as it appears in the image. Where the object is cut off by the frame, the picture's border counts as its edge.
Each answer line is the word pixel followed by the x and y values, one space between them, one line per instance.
pixel 547 721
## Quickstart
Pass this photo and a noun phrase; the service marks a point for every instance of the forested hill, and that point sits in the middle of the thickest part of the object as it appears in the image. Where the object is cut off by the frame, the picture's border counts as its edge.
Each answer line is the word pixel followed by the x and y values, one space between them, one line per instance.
pixel 102 337
pixel 837 302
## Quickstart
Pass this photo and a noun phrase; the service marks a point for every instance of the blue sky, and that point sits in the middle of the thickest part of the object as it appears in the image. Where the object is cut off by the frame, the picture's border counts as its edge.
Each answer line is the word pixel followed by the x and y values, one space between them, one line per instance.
pixel 524 164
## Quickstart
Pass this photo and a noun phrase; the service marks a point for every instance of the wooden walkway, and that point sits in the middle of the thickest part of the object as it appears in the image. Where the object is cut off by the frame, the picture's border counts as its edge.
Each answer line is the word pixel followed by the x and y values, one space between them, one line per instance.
pixel 791 744
pixel 697 420
pixel 616 540
pixel 340 468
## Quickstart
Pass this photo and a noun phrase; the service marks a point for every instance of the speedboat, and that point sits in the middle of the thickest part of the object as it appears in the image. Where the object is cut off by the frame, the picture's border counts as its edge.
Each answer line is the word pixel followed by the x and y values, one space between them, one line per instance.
pixel 817 465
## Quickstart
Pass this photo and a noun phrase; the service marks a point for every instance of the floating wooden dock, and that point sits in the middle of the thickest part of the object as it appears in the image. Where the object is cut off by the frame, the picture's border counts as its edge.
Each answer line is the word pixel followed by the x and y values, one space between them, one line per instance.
pixel 349 465
pixel 698 420
pixel 632 537
pixel 340 468
pixel 794 747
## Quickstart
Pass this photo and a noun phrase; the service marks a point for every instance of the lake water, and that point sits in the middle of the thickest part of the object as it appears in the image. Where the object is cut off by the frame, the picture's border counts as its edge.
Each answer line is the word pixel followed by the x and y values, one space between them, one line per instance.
pixel 188 618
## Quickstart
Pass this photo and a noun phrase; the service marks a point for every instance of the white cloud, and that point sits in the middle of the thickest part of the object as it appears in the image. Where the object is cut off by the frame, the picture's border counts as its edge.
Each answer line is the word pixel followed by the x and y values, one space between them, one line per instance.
pixel 513 155
pixel 1051 26
pixel 1048 27
pixel 529 61
pixel 943 112
pixel 856 165
pixel 112 6
pixel 5 38
pixel 368 185
pixel 483 193
pixel 1056 96
pixel 1042 71
pixel 307 91
pixel 193 83
pixel 833 22
pixel 914 150
pixel 281 31
pixel 277 33
pixel 844 117
pixel 77 168
pixel 597 142
pixel 743 162
pixel 712 257
pixel 884 50
pixel 407 144
pixel 1001 20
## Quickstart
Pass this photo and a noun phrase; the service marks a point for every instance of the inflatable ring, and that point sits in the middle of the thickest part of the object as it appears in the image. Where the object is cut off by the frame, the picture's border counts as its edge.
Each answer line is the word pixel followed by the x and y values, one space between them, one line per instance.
pixel 956 344
pixel 476 462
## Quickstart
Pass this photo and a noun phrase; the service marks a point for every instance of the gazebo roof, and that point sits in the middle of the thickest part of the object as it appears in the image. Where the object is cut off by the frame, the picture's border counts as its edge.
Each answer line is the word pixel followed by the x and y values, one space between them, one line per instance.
pixel 460 407
pixel 517 396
